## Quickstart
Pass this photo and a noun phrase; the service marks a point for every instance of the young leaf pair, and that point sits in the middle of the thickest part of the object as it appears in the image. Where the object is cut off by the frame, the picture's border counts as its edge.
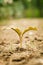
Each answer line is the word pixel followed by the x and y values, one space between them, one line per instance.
pixel 20 34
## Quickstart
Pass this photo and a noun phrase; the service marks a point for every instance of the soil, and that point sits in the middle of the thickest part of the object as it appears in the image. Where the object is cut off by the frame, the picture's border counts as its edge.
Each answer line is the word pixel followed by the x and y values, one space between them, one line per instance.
pixel 31 52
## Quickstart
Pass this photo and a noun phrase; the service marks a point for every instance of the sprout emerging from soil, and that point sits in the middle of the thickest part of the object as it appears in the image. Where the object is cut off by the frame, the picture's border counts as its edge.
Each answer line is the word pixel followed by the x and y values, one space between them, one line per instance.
pixel 22 33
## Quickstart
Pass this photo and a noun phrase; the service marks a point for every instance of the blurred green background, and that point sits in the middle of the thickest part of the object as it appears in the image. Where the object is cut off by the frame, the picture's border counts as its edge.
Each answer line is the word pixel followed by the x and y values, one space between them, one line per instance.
pixel 21 9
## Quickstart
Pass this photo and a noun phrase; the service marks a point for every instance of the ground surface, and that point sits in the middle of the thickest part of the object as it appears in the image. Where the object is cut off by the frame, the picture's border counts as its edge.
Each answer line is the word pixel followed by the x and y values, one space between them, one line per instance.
pixel 31 52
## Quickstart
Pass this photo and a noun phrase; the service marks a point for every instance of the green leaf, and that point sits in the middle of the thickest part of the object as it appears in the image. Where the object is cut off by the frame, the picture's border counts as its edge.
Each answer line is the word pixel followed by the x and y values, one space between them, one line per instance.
pixel 28 29
pixel 20 35
pixel 17 31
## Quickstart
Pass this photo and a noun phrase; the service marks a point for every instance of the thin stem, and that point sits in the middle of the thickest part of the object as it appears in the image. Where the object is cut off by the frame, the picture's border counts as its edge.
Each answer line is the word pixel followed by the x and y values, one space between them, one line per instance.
pixel 21 41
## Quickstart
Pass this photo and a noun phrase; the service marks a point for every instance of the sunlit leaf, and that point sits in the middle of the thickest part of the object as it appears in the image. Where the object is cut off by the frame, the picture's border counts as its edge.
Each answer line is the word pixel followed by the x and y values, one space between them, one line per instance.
pixel 17 31
pixel 28 29
pixel 20 35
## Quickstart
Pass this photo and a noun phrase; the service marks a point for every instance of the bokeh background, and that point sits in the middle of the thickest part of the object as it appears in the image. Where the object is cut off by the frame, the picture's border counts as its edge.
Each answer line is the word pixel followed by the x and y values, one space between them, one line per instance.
pixel 21 9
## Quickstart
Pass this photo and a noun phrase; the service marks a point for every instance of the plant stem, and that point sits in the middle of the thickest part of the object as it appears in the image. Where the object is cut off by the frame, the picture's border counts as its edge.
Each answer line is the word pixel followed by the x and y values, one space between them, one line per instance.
pixel 20 41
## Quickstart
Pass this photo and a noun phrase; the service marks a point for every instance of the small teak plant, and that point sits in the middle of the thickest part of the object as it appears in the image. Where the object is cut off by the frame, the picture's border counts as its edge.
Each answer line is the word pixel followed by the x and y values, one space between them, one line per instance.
pixel 22 33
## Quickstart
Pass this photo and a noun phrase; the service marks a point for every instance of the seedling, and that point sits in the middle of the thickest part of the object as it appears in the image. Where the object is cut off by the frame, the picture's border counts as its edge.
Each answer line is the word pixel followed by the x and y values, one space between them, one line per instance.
pixel 20 34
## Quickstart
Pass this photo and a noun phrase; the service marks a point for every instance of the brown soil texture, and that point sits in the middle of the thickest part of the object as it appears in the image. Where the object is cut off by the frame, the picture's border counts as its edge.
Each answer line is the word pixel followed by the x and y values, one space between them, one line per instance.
pixel 31 52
